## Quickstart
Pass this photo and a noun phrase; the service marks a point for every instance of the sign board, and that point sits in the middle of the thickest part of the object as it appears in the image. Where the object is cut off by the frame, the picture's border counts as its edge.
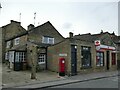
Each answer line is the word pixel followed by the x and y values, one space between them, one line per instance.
pixel 97 42
pixel 62 54
pixel 105 47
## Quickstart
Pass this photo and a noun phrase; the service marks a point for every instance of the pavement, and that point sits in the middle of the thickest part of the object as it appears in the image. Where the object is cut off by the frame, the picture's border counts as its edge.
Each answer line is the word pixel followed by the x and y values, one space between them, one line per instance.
pixel 46 79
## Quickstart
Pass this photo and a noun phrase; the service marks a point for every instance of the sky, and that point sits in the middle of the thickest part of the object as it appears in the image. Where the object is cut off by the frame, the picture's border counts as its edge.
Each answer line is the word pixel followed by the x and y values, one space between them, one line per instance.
pixel 77 16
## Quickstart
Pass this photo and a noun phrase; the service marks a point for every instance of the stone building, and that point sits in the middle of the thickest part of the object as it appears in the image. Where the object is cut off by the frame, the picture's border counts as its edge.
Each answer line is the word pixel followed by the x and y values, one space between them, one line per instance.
pixel 1 45
pixel 42 36
pixel 18 42
pixel 116 40
pixel 79 56
pixel 14 42
pixel 84 53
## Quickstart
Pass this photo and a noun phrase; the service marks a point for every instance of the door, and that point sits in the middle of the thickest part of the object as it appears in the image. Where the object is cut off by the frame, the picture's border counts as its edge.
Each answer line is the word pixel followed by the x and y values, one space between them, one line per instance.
pixel 107 59
pixel 11 58
pixel 73 60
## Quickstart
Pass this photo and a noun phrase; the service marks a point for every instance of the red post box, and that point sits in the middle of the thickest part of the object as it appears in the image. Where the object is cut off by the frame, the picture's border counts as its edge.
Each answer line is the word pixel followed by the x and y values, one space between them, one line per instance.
pixel 62 67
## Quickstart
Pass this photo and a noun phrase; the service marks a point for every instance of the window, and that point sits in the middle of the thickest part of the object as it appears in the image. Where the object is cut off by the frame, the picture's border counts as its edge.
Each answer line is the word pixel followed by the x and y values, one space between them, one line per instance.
pixel 11 56
pixel 17 41
pixel 113 59
pixel 86 56
pixel 8 44
pixel 100 59
pixel 20 57
pixel 41 59
pixel 48 40
pixel 7 56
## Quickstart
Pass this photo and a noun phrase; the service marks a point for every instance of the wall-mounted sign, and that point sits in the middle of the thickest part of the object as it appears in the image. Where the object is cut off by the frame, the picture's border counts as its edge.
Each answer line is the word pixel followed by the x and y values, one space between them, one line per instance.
pixel 97 42
pixel 97 47
pixel 105 47
pixel 62 54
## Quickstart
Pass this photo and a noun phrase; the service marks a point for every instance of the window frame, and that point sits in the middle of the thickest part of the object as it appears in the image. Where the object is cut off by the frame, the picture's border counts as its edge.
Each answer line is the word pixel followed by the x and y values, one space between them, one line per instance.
pixel 43 61
pixel 101 56
pixel 7 56
pixel 8 43
pixel 47 40
pixel 86 50
pixel 20 56
pixel 17 41
pixel 113 58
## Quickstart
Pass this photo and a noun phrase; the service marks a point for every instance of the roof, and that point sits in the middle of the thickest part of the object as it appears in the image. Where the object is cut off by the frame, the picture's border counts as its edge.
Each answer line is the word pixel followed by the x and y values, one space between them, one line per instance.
pixel 18 35
pixel 41 45
pixel 46 29
pixel 116 39
pixel 13 30
pixel 19 48
pixel 93 37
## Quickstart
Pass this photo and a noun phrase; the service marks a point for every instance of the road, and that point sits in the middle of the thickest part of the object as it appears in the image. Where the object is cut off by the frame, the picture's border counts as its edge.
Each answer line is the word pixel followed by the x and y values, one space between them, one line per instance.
pixel 110 82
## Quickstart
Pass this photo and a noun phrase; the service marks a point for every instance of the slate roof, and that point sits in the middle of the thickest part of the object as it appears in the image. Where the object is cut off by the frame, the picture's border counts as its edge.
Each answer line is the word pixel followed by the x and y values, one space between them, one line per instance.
pixel 10 28
pixel 93 37
pixel 22 47
pixel 45 30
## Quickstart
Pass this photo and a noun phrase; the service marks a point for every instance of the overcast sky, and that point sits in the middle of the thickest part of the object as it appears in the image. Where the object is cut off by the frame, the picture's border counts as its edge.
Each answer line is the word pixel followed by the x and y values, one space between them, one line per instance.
pixel 66 15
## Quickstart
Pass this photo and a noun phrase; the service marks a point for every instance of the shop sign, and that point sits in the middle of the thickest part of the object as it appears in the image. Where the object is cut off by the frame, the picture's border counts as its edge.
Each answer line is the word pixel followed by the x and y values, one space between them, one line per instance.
pixel 97 42
pixel 62 54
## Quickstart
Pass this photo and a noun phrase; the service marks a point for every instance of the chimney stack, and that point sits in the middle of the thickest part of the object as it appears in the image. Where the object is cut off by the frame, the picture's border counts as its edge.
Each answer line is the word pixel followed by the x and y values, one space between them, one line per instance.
pixel 70 34
pixel 12 21
pixel 31 26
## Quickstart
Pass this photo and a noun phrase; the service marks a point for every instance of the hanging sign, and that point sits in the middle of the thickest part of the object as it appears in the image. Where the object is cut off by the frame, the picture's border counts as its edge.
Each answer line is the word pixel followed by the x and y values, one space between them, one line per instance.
pixel 97 42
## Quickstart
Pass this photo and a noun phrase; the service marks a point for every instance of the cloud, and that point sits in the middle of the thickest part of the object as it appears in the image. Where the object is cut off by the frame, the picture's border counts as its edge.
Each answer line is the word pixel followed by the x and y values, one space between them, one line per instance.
pixel 67 25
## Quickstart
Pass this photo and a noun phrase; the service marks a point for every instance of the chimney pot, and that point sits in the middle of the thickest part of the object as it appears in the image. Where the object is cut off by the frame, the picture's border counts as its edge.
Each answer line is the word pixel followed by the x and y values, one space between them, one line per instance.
pixel 31 26
pixel 70 34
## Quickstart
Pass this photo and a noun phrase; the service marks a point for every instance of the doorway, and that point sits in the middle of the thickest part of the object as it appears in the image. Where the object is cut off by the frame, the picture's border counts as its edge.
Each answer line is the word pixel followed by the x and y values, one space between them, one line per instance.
pixel 73 60
pixel 107 59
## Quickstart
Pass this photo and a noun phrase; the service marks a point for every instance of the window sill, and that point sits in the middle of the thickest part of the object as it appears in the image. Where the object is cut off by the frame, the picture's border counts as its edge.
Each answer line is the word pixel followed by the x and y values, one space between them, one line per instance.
pixel 86 67
pixel 42 63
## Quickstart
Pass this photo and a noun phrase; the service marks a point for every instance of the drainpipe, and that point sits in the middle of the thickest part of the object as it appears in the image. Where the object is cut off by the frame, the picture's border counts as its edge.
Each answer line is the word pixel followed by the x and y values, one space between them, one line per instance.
pixel 46 58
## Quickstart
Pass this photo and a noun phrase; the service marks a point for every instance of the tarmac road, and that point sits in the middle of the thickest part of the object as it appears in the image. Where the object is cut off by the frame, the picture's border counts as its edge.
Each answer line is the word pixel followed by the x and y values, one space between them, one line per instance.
pixel 110 82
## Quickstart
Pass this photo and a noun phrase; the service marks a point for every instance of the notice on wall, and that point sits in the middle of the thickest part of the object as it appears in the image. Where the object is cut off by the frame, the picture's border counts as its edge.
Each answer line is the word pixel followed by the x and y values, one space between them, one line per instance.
pixel 63 54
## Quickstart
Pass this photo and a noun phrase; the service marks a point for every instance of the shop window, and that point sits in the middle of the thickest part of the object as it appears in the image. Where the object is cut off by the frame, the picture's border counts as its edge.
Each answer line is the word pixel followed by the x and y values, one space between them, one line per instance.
pixel 41 59
pixel 86 57
pixel 100 59
pixel 113 59
pixel 20 57
pixel 48 40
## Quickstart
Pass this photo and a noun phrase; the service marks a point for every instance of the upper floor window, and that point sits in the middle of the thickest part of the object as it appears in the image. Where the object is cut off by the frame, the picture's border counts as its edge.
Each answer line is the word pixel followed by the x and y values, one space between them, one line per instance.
pixel 17 41
pixel 6 55
pixel 8 44
pixel 48 40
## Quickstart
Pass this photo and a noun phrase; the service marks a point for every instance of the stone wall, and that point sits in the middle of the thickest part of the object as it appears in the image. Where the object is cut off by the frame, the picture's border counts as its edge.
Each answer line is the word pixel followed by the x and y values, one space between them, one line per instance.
pixel 54 54
pixel 64 48
pixel 0 44
pixel 36 34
